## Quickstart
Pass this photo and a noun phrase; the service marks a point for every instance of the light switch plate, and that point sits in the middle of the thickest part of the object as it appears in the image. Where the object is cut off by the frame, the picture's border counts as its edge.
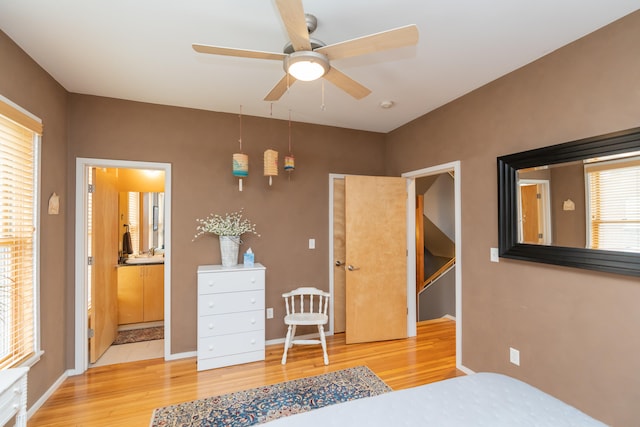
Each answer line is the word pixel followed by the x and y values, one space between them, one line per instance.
pixel 494 257
pixel 312 243
pixel 514 356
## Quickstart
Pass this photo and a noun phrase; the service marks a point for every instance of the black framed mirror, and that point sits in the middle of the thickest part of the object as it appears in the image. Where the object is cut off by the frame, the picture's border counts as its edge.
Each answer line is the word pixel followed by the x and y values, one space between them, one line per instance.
pixel 511 169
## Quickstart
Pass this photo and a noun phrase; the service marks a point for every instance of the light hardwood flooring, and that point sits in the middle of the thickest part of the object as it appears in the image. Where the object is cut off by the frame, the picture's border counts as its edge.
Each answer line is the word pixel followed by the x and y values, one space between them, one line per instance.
pixel 126 394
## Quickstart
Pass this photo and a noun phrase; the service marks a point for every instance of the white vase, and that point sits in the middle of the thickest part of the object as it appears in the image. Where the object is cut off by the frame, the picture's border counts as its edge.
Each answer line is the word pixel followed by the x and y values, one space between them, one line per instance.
pixel 229 247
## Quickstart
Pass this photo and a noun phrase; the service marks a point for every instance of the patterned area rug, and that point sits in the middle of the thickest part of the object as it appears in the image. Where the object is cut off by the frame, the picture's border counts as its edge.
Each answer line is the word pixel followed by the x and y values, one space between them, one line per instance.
pixel 262 404
pixel 139 335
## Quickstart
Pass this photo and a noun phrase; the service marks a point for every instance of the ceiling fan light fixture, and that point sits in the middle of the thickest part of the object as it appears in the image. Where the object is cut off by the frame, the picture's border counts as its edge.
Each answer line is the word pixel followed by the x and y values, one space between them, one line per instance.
pixel 306 65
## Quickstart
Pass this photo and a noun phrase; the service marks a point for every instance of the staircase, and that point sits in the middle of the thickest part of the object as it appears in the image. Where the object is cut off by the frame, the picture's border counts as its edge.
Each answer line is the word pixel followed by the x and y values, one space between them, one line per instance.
pixel 435 222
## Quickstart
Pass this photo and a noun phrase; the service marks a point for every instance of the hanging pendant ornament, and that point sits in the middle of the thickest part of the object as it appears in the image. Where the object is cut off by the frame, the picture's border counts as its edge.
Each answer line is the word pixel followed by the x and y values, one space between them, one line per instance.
pixel 289 160
pixel 270 164
pixel 240 160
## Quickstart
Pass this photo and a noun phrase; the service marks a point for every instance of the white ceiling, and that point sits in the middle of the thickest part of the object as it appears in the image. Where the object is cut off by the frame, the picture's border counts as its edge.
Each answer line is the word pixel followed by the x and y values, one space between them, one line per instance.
pixel 141 50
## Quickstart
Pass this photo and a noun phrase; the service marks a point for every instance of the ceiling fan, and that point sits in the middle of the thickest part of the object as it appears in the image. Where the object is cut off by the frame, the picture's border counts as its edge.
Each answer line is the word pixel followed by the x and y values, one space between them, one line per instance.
pixel 307 59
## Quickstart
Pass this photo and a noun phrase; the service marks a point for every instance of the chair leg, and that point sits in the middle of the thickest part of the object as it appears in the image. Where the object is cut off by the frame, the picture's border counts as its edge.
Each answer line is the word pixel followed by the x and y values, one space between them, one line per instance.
pixel 293 335
pixel 287 344
pixel 323 341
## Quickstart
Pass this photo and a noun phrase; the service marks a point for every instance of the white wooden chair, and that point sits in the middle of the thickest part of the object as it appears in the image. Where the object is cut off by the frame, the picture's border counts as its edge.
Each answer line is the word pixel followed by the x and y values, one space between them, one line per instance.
pixel 306 306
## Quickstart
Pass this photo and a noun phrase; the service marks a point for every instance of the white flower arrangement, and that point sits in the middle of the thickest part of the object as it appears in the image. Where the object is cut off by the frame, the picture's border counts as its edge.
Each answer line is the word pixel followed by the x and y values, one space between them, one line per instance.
pixel 231 224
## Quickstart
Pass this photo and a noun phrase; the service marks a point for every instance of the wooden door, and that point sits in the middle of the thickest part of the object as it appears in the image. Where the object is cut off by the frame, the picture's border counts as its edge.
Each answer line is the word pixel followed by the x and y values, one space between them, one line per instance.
pixel 530 201
pixel 419 242
pixel 376 258
pixel 103 317
pixel 339 272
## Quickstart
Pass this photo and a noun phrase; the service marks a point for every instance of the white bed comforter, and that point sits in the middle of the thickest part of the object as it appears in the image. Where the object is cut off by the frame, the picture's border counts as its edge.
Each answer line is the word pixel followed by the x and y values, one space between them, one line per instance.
pixel 479 400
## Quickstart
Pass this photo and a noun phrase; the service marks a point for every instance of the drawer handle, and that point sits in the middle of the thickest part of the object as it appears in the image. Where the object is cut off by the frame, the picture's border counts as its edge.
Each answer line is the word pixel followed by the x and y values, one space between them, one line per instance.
pixel 210 348
pixel 253 341
pixel 211 283
pixel 253 300
pixel 210 305
pixel 17 390
pixel 210 325
pixel 253 321
pixel 253 280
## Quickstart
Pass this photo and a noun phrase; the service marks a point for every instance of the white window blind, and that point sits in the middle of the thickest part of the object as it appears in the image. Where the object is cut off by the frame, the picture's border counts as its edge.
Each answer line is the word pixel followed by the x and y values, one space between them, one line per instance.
pixel 19 136
pixel 614 205
pixel 134 220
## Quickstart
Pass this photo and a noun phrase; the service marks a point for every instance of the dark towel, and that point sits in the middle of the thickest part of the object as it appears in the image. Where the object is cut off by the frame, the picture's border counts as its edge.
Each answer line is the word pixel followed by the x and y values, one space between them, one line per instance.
pixel 127 247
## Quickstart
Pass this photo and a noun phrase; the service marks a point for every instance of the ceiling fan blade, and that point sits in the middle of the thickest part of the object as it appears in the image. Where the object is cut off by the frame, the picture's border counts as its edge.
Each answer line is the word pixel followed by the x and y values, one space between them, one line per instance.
pixel 292 14
pixel 242 53
pixel 280 88
pixel 391 39
pixel 347 84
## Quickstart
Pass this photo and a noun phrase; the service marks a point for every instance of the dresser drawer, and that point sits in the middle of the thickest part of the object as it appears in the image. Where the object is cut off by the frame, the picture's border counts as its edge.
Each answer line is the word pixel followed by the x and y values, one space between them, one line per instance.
pixel 231 323
pixel 13 396
pixel 225 345
pixel 234 359
pixel 230 281
pixel 230 302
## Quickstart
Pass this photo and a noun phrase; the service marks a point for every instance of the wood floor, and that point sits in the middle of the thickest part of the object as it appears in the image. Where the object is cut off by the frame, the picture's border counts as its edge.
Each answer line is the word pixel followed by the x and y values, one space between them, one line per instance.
pixel 127 393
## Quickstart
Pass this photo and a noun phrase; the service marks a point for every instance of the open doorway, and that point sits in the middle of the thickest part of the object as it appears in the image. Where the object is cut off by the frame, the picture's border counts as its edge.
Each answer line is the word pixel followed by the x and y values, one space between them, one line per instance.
pixel 335 256
pixel 452 168
pixel 150 235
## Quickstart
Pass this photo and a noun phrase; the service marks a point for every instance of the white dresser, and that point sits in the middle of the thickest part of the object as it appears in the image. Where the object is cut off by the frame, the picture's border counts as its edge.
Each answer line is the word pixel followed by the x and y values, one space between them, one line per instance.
pixel 13 396
pixel 230 315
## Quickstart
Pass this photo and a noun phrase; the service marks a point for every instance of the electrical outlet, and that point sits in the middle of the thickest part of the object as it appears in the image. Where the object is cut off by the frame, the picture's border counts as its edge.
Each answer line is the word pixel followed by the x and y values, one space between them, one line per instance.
pixel 269 313
pixel 514 356
pixel 493 256
pixel 312 243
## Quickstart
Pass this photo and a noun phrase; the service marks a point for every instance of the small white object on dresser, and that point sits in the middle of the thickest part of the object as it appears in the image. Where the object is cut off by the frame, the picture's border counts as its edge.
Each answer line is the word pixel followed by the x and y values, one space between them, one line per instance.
pixel 230 315
pixel 13 396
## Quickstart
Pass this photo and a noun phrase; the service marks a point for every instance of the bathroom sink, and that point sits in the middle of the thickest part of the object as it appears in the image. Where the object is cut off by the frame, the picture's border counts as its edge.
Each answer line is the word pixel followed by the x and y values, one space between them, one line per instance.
pixel 145 259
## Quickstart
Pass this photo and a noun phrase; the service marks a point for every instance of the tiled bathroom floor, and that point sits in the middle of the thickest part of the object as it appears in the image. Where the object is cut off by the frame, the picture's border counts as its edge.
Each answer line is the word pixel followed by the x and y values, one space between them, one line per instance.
pixel 131 352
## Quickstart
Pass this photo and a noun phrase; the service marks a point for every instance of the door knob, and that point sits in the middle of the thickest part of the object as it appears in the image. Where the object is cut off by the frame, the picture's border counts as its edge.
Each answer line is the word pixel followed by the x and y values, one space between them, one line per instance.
pixel 352 268
pixel 339 263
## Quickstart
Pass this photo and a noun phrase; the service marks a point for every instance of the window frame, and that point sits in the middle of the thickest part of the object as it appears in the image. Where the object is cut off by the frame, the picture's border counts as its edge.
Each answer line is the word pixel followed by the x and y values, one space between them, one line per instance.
pixel 19 115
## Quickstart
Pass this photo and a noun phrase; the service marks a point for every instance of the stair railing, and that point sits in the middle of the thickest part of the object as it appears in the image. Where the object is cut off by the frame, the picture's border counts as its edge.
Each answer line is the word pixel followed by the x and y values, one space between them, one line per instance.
pixel 435 276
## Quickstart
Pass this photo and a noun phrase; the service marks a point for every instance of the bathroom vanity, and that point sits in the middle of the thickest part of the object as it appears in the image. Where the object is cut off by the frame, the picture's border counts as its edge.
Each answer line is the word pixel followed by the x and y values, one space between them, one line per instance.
pixel 140 293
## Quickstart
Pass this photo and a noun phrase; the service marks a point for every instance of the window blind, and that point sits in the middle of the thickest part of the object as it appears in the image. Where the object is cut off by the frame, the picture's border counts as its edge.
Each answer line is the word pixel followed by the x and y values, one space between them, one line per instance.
pixel 614 205
pixel 134 220
pixel 18 201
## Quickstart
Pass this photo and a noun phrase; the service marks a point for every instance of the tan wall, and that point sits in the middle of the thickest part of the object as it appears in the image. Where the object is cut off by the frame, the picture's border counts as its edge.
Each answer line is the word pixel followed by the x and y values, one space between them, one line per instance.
pixel 199 145
pixel 26 84
pixel 576 330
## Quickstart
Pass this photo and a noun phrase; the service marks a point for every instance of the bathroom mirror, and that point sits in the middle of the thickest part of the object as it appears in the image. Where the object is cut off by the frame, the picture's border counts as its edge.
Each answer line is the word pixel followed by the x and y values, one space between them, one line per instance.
pixel 554 181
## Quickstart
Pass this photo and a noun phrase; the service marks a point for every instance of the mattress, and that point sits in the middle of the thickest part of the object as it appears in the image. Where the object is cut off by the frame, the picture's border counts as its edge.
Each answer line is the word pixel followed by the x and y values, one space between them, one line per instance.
pixel 479 400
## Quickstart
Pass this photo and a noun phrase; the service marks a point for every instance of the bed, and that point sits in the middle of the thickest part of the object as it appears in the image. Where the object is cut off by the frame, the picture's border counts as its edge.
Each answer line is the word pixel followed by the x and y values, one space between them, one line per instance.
pixel 482 400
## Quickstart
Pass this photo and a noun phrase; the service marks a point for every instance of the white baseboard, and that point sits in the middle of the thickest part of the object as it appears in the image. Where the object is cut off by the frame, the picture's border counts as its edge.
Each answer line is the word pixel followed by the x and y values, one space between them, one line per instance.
pixel 185 355
pixel 38 404
pixel 274 342
pixel 465 369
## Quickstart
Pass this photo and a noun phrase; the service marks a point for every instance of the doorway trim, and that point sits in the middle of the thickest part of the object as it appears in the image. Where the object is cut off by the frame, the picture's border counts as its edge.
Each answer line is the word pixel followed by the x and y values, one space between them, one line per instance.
pixel 545 194
pixel 81 353
pixel 411 231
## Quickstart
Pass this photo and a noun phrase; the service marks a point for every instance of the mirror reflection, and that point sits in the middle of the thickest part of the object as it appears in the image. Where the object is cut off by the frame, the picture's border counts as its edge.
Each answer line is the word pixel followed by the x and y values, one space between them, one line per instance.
pixel 592 203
